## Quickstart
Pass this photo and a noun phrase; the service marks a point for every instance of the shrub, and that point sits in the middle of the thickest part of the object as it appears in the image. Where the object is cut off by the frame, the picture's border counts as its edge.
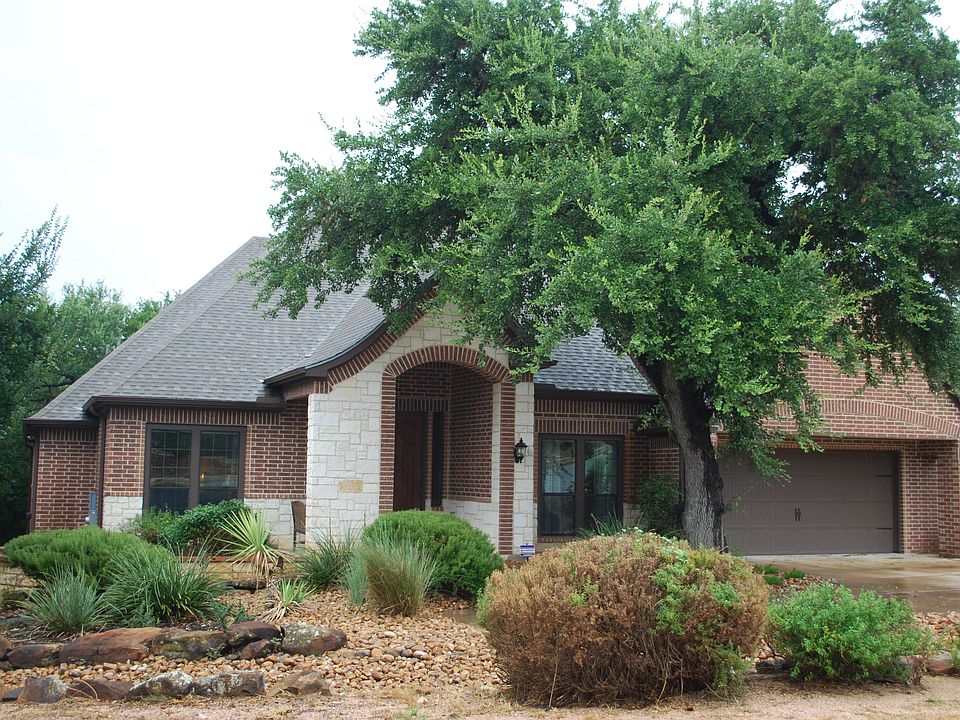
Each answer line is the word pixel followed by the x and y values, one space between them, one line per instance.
pixel 631 616
pixel 67 603
pixel 399 572
pixel 324 564
pixel 661 505
pixel 465 556
pixel 151 585
pixel 830 634
pixel 794 575
pixel 201 528
pixel 483 607
pixel 88 550
pixel 150 526
pixel 246 537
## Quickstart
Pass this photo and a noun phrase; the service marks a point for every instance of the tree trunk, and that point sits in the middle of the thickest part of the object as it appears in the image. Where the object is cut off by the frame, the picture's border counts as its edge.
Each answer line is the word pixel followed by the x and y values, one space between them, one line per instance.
pixel 690 417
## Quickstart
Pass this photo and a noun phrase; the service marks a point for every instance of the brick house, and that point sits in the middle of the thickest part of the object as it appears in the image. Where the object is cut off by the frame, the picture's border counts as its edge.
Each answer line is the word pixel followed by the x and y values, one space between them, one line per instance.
pixel 210 400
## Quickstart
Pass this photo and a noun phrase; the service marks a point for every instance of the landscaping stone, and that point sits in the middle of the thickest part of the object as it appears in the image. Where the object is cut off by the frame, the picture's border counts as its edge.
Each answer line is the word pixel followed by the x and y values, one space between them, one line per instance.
pixel 99 688
pixel 176 684
pixel 914 667
pixel 5 647
pixel 941 664
pixel 773 666
pixel 305 639
pixel 11 695
pixel 43 690
pixel 34 655
pixel 189 644
pixel 244 633
pixel 258 649
pixel 230 684
pixel 113 646
pixel 303 682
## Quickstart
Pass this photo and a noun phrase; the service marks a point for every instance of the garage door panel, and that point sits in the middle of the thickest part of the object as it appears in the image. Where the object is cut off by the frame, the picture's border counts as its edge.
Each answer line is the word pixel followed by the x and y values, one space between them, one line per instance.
pixel 834 502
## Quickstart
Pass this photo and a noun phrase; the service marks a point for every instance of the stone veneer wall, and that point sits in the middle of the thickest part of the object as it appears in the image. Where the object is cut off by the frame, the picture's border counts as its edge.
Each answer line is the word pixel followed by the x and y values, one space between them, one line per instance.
pixel 350 446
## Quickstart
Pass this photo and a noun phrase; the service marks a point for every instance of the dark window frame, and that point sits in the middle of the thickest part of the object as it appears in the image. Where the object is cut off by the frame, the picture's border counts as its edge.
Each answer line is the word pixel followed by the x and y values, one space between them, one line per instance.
pixel 579 503
pixel 193 490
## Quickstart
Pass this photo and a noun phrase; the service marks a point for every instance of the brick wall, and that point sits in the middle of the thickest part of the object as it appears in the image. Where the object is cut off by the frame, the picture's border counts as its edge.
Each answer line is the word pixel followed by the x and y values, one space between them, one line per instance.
pixel 66 473
pixel 471 433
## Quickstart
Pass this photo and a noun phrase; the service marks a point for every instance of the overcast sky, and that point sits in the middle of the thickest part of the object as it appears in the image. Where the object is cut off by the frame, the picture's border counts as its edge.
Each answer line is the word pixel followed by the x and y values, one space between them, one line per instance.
pixel 155 126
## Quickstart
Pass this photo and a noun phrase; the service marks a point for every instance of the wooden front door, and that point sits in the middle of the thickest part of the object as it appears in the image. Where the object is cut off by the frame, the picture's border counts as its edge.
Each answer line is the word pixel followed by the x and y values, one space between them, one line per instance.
pixel 409 465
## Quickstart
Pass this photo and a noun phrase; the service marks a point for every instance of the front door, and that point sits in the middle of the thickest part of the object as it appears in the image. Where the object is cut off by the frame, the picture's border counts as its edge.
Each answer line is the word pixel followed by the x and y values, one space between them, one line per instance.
pixel 409 465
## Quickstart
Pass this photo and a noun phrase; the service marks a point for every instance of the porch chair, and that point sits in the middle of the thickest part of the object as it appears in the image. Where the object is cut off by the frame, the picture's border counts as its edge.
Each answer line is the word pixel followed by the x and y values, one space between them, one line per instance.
pixel 299 509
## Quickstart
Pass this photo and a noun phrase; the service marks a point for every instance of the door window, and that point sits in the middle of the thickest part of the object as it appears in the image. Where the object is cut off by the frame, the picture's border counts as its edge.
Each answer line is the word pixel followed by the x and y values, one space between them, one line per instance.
pixel 579 483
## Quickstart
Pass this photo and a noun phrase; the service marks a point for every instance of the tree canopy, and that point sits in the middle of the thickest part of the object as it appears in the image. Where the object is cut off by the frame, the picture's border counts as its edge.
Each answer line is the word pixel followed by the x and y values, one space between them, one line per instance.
pixel 721 189
pixel 45 346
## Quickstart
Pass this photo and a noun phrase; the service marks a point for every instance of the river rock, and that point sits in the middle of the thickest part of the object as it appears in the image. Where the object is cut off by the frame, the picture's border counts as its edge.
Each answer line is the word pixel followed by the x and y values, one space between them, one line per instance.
pixel 34 655
pixel 100 689
pixel 304 682
pixel 112 646
pixel 258 649
pixel 175 684
pixel 44 690
pixel 305 639
pixel 189 644
pixel 230 684
pixel 5 647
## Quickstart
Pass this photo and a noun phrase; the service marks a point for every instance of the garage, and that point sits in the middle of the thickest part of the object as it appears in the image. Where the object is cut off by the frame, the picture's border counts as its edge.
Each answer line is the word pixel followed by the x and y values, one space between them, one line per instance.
pixel 835 502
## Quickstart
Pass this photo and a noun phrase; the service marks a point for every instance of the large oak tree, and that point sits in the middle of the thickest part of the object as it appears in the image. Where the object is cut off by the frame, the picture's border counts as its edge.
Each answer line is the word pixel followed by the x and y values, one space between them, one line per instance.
pixel 722 190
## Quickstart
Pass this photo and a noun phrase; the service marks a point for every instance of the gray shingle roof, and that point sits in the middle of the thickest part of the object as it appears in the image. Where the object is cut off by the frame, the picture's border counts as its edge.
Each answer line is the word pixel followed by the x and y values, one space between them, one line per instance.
pixel 212 344
pixel 586 364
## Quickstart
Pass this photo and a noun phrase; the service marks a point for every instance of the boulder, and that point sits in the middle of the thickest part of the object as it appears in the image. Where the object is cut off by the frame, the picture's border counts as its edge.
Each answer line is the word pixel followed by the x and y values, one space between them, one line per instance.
pixel 5 647
pixel 244 633
pixel 304 682
pixel 34 655
pixel 304 639
pixel 941 664
pixel 189 644
pixel 230 684
pixel 175 684
pixel 99 689
pixel 773 666
pixel 258 649
pixel 44 690
pixel 11 695
pixel 112 646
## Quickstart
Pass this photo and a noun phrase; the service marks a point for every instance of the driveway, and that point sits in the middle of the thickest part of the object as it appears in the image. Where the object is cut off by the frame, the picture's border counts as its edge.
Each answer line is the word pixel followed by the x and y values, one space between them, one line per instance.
pixel 930 583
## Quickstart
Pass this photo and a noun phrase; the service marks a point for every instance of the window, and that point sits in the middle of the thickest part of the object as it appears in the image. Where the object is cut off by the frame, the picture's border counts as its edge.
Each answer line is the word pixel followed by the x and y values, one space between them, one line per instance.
pixel 189 466
pixel 579 483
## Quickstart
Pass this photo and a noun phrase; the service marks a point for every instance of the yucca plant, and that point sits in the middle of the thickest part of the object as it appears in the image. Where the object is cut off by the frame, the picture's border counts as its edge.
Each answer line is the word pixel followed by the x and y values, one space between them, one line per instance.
pixel 67 604
pixel 288 595
pixel 247 541
pixel 399 572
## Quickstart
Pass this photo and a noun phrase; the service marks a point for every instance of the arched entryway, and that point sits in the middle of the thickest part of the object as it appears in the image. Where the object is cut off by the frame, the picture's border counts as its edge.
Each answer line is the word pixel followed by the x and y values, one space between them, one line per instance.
pixel 447 427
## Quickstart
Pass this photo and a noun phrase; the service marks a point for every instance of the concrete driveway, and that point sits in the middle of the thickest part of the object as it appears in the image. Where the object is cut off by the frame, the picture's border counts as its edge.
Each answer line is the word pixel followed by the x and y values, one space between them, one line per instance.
pixel 930 583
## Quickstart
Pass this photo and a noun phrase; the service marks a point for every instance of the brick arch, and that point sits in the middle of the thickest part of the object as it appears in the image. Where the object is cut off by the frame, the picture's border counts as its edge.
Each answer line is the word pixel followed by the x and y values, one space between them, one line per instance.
pixel 493 371
pixel 837 410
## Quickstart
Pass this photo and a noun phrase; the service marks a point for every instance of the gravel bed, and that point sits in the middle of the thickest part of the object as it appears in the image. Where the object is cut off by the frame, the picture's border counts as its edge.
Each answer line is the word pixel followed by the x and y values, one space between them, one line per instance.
pixel 431 651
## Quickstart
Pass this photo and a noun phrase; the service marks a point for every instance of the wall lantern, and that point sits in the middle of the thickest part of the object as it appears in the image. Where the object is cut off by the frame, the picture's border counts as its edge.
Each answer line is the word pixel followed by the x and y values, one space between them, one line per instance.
pixel 519 451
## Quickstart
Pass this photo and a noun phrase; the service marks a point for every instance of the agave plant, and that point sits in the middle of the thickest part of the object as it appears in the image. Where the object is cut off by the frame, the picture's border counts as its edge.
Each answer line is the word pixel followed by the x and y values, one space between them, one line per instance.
pixel 288 595
pixel 247 541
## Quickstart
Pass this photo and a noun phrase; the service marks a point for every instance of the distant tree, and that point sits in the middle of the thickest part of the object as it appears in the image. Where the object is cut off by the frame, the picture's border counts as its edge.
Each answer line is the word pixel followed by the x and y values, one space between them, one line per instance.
pixel 44 347
pixel 721 191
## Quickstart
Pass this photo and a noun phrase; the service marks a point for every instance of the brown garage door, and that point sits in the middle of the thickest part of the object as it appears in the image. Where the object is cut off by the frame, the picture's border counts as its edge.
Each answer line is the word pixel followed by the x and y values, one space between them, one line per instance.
pixel 835 502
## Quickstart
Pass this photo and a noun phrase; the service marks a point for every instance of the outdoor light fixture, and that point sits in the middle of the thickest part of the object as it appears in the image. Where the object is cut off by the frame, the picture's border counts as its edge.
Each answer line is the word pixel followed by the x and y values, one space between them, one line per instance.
pixel 519 451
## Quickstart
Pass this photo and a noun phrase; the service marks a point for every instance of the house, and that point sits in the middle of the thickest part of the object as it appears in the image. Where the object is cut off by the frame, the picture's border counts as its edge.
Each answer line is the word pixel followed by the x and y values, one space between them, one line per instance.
pixel 210 400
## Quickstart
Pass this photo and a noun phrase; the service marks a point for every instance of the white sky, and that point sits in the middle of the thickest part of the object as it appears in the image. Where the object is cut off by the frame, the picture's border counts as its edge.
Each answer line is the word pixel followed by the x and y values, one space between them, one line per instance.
pixel 155 127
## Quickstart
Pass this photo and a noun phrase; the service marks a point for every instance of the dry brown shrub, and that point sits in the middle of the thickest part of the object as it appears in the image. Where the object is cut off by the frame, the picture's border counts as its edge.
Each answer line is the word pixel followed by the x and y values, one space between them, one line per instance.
pixel 633 616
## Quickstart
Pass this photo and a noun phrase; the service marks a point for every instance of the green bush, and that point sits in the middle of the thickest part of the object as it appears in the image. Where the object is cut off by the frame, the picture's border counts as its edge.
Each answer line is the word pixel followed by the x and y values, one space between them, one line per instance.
pixel 661 505
pixel 324 564
pixel 88 550
pixel 151 585
pixel 627 617
pixel 829 634
pixel 201 528
pixel 149 526
pixel 483 607
pixel 465 556
pixel 399 572
pixel 68 603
